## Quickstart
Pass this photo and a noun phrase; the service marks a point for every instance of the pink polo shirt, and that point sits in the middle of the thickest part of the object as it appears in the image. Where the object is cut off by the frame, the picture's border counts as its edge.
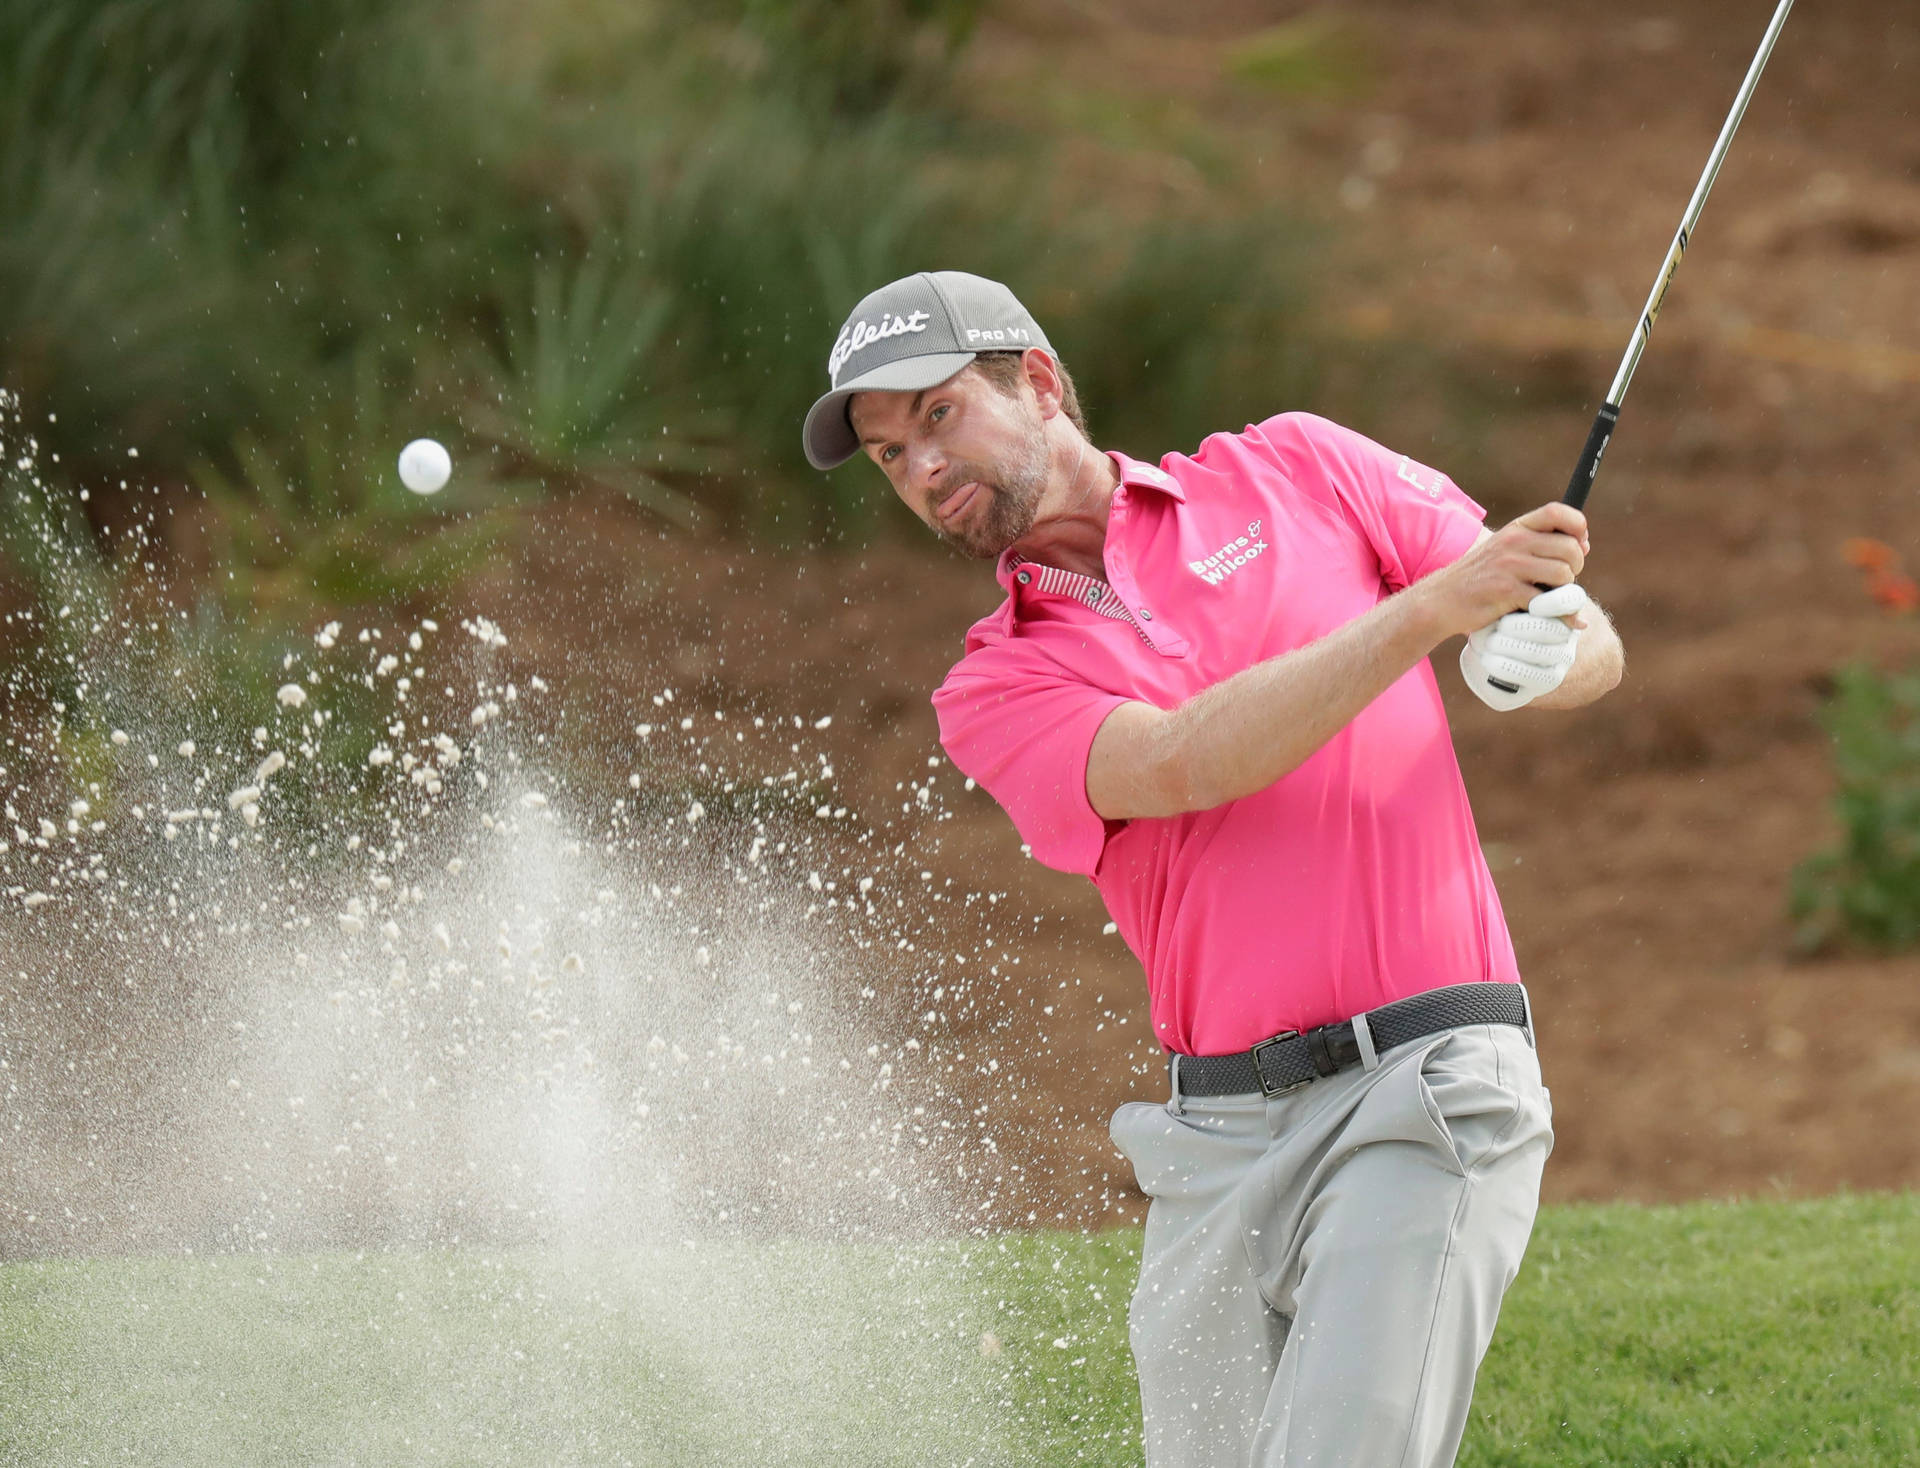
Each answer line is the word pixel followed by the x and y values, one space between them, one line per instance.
pixel 1353 881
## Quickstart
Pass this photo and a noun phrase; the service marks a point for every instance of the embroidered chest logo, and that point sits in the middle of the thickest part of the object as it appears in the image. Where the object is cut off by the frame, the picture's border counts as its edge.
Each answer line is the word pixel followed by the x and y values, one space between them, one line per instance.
pixel 1230 557
pixel 1426 480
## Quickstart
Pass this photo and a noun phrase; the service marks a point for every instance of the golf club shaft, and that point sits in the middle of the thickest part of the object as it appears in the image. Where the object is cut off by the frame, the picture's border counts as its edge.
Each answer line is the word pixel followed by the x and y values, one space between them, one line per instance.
pixel 1609 414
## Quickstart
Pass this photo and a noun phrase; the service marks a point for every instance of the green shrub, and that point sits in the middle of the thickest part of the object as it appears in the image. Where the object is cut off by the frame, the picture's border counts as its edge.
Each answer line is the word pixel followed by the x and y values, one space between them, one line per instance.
pixel 610 245
pixel 1867 890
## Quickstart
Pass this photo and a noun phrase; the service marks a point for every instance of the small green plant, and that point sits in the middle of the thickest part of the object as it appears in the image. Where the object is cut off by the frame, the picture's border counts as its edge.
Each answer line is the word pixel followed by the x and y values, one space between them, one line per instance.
pixel 567 401
pixel 1867 890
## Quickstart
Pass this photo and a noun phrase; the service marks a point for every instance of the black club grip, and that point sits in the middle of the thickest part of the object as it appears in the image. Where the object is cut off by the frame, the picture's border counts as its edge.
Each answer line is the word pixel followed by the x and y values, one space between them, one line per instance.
pixel 1589 465
pixel 1581 483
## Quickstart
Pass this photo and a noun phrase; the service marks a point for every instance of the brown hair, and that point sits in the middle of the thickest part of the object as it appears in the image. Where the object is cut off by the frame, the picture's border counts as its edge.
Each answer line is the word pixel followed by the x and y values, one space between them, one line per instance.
pixel 1006 372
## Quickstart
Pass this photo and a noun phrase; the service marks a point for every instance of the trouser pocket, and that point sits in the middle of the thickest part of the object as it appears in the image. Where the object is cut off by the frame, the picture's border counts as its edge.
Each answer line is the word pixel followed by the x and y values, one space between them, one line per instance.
pixel 1482 1087
pixel 1200 1152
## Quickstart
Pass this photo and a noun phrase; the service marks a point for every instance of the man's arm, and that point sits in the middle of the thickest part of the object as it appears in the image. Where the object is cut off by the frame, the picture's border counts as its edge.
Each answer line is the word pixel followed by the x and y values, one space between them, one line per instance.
pixel 1242 734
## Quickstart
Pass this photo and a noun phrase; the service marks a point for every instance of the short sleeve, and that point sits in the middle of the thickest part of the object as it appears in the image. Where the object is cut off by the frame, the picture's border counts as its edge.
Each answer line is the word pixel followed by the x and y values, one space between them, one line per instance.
pixel 1024 729
pixel 1416 518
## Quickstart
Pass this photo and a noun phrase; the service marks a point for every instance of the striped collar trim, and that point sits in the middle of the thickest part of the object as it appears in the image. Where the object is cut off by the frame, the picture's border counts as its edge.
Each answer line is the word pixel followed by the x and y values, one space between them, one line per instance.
pixel 1089 591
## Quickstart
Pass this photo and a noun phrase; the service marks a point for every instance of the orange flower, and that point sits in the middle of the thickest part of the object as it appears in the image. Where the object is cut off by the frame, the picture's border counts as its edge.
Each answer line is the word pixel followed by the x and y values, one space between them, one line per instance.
pixel 1870 555
pixel 1895 592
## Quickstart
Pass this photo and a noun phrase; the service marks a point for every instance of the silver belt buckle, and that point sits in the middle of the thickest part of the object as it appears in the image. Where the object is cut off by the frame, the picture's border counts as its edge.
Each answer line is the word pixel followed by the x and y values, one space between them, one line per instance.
pixel 1260 1075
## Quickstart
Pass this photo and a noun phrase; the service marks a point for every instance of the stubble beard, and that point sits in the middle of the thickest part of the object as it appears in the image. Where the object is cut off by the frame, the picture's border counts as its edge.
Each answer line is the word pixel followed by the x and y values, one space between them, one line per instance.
pixel 1013 490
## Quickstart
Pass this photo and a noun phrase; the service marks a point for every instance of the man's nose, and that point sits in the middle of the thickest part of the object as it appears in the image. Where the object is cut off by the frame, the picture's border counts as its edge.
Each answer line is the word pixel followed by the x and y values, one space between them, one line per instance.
pixel 926 468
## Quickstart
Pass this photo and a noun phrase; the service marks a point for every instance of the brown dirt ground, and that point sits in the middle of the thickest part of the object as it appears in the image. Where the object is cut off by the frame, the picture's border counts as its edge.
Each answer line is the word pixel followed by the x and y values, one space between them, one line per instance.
pixel 1503 187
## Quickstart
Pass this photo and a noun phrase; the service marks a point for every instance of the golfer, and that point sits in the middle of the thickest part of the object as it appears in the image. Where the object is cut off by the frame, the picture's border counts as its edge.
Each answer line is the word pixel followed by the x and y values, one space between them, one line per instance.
pixel 1208 692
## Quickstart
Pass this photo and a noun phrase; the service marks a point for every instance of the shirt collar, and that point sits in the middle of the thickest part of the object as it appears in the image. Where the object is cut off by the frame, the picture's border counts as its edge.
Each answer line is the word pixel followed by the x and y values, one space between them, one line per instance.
pixel 1134 474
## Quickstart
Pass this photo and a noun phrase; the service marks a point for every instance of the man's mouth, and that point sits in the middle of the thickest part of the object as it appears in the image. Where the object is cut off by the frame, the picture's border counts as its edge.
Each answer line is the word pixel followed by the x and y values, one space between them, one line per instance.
pixel 956 503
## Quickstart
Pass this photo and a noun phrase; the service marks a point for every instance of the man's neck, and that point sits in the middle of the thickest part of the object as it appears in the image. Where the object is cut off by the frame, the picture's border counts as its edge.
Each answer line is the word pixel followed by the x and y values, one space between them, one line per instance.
pixel 1070 528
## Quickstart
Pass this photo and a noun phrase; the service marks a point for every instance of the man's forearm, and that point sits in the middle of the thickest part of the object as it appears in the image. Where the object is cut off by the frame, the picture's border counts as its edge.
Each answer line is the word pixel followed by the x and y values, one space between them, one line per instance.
pixel 1242 734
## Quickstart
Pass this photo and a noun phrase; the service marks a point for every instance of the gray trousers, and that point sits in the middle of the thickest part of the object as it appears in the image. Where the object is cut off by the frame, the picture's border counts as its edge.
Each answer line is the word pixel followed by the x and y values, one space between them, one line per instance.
pixel 1322 1271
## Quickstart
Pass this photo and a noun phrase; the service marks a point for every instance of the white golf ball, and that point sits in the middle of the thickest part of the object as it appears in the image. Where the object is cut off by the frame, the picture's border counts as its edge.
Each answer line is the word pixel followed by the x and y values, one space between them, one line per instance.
pixel 424 466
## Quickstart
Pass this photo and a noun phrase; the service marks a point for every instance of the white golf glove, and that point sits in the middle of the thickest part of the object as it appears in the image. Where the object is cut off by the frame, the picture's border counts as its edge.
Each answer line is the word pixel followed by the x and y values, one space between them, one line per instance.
pixel 1529 650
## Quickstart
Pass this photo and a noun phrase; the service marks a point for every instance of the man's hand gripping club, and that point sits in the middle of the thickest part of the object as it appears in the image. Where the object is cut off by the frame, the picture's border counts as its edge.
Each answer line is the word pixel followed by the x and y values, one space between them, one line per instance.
pixel 1518 633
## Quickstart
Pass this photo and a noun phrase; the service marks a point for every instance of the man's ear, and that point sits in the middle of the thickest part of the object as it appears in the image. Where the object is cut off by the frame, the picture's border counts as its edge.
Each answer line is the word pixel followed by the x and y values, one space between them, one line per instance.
pixel 1043 376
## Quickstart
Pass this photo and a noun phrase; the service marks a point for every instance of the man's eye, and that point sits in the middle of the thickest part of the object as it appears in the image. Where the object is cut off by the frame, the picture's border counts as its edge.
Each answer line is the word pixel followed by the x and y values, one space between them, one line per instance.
pixel 888 454
pixel 939 412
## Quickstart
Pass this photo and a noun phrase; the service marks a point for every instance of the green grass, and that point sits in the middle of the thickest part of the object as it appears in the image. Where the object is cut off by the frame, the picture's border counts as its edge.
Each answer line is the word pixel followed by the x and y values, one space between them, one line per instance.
pixel 1696 1335
pixel 1708 1334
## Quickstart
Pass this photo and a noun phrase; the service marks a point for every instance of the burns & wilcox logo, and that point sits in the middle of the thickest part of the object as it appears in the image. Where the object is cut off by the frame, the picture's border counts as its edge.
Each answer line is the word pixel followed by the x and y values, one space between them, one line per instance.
pixel 856 335
pixel 1230 557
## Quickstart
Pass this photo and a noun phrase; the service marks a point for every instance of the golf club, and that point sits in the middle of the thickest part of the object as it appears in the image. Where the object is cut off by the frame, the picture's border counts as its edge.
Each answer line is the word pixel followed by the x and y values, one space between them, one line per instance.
pixel 1609 415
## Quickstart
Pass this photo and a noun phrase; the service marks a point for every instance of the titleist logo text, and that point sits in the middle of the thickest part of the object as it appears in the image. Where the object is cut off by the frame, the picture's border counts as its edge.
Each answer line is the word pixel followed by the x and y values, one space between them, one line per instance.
pixel 858 334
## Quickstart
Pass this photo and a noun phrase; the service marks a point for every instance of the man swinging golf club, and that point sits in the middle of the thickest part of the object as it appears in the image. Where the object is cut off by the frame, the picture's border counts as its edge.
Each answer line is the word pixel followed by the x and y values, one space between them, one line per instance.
pixel 1208 692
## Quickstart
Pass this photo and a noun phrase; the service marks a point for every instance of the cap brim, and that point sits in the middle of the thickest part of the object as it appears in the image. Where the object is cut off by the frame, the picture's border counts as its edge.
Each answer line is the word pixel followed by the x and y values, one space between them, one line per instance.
pixel 828 436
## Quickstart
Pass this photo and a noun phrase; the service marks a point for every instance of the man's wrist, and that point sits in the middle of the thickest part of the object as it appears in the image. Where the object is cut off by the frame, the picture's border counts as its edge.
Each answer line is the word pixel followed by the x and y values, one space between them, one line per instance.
pixel 1422 618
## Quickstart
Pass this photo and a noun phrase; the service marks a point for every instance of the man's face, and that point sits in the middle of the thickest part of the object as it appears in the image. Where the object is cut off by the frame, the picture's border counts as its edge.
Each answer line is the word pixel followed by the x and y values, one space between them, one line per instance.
pixel 967 458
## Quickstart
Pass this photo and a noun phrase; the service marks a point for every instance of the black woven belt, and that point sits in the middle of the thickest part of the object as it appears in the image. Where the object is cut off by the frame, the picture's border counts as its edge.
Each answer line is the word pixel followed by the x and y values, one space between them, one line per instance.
pixel 1290 1059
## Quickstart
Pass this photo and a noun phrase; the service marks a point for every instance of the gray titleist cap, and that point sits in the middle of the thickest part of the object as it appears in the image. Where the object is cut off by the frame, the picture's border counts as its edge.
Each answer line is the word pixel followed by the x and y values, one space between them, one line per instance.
pixel 913 334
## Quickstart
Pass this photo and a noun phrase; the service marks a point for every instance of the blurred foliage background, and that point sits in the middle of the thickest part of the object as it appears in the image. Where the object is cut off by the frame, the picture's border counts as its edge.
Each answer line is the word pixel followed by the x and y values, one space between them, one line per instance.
pixel 601 243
